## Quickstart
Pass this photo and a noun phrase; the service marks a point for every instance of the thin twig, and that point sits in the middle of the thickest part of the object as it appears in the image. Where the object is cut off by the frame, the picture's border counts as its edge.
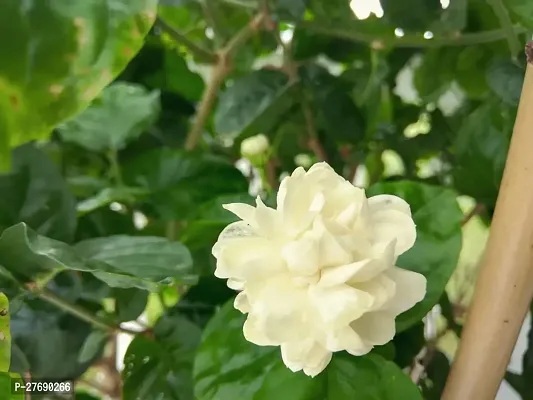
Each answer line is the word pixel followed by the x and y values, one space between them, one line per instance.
pixel 222 69
pixel 477 210
pixel 466 39
pixel 75 310
pixel 199 52
pixel 313 142
pixel 507 26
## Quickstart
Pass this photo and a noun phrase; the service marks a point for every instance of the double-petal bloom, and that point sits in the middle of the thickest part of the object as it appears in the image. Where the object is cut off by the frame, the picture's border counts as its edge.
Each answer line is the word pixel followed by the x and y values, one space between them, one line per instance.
pixel 317 274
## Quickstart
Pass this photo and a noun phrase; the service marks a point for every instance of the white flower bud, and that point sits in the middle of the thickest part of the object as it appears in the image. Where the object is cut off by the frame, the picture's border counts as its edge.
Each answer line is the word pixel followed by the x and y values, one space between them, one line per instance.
pixel 254 146
pixel 303 160
pixel 317 274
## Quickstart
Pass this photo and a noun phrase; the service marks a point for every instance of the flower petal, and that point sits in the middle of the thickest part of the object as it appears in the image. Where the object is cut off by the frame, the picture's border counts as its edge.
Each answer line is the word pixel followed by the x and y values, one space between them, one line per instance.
pixel 388 225
pixel 388 202
pixel 339 305
pixel 235 284
pixel 253 331
pixel 259 259
pixel 410 289
pixel 302 202
pixel 346 338
pixel 307 355
pixel 381 289
pixel 375 328
pixel 331 252
pixel 244 211
pixel 358 271
pixel 241 303
pixel 267 219
pixel 283 307
pixel 301 255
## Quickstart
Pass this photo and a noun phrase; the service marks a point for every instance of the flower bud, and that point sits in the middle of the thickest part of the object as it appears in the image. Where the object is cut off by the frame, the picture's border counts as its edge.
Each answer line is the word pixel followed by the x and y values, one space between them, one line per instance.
pixel 255 147
pixel 303 160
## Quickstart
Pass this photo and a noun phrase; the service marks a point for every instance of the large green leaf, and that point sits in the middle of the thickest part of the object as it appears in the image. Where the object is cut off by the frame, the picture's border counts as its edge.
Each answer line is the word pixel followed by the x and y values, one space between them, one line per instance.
pixel 522 10
pixel 58 56
pixel 161 368
pixel 439 239
pixel 505 79
pixel 129 303
pixel 253 104
pixel 119 261
pixel 7 386
pixel 413 15
pixel 34 192
pixel 228 367
pixel 480 152
pixel 44 333
pixel 337 112
pixel 121 113
pixel 179 181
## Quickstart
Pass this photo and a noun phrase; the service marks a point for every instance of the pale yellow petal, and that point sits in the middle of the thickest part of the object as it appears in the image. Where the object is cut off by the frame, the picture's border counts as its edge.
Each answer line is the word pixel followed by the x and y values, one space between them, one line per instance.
pixel 376 328
pixel 392 225
pixel 410 289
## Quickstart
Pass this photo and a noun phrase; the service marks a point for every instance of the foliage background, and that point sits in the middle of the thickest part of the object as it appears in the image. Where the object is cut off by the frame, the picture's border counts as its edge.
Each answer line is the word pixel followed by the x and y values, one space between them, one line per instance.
pixel 119 193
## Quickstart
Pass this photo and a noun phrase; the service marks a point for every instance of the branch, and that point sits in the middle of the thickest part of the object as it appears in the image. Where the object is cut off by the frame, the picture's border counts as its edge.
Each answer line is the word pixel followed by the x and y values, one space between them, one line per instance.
pixel 465 39
pixel 477 210
pixel 77 311
pixel 313 143
pixel 222 69
pixel 198 52
pixel 507 26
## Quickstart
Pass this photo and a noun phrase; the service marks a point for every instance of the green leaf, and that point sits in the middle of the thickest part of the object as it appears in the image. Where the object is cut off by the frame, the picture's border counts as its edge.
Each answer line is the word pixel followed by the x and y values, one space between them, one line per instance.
pixel 412 15
pixel 178 181
pixel 439 239
pixel 254 103
pixel 337 112
pixel 228 367
pixel 93 345
pixel 480 152
pixel 129 303
pixel 93 39
pixel 522 10
pixel 7 381
pixel 43 333
pixel 109 195
pixel 120 261
pixel 34 192
pixel 291 10
pixel 434 75
pixel 152 259
pixel 160 368
pixel 121 113
pixel 505 79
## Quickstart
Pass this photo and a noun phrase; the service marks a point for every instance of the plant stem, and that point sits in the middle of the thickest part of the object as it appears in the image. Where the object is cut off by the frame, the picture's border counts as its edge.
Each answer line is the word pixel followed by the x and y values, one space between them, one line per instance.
pixel 199 52
pixel 507 26
pixel 219 73
pixel 112 156
pixel 221 70
pixel 348 33
pixel 75 310
pixel 477 210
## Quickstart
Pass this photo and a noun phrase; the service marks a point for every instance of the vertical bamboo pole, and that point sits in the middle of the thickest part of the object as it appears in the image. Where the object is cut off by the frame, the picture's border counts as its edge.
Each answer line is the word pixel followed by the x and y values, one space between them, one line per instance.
pixel 504 287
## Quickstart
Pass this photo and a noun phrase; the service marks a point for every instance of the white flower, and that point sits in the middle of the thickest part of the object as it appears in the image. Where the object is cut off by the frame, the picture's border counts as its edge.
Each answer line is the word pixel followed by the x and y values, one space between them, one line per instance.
pixel 254 146
pixel 317 275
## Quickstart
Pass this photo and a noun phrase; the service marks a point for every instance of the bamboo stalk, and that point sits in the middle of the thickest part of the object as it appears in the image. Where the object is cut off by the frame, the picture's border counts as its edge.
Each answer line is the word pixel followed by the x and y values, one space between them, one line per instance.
pixel 504 287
